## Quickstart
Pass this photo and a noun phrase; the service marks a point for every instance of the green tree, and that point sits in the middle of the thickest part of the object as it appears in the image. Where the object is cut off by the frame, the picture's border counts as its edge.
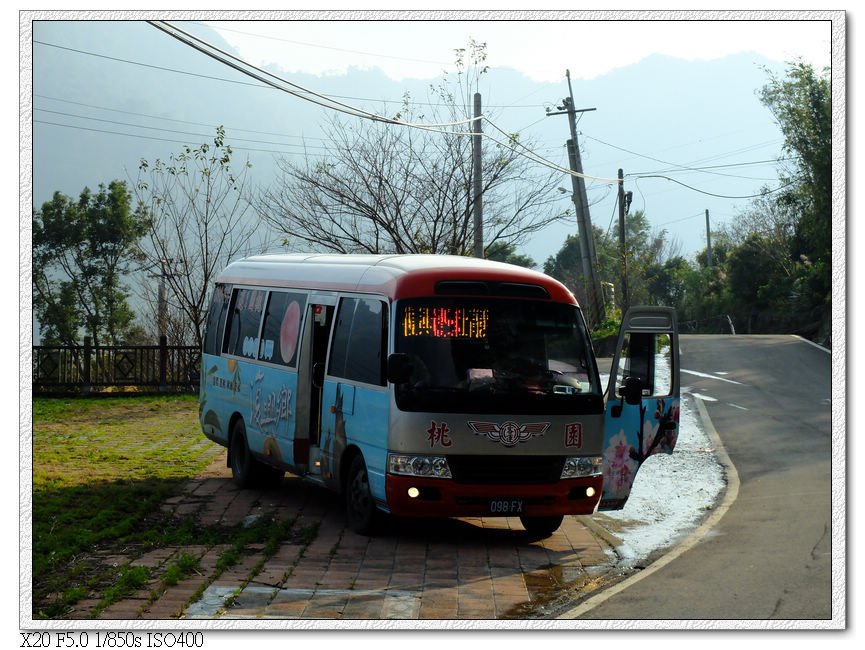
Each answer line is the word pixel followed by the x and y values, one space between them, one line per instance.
pixel 666 282
pixel 802 105
pixel 504 252
pixel 760 295
pixel 722 242
pixel 566 266
pixel 81 255
pixel 647 251
pixel 801 102
pixel 705 307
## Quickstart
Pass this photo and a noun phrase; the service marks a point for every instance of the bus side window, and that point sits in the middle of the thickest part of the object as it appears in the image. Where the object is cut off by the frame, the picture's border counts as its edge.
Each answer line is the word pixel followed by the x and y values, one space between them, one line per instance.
pixel 281 328
pixel 247 306
pixel 215 328
pixel 359 339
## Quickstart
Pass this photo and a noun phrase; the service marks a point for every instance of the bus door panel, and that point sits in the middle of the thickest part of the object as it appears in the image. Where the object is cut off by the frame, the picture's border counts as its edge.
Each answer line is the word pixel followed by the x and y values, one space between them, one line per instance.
pixel 642 404
pixel 355 399
pixel 338 406
pixel 354 415
pixel 310 379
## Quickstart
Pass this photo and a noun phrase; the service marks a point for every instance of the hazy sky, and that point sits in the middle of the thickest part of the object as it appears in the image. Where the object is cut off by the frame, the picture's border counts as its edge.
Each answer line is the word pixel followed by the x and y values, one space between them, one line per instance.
pixel 421 49
pixel 420 46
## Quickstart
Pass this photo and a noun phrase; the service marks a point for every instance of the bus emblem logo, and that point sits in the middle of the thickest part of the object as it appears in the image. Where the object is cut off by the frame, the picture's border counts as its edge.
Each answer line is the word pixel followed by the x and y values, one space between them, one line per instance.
pixel 509 433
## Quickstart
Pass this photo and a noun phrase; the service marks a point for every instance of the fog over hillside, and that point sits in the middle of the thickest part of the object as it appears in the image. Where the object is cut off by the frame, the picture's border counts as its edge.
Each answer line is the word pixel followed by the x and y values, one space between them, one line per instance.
pixel 107 94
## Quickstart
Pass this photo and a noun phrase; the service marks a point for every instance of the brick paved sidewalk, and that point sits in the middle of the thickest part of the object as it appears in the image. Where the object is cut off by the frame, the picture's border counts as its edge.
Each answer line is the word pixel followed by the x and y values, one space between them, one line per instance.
pixel 485 568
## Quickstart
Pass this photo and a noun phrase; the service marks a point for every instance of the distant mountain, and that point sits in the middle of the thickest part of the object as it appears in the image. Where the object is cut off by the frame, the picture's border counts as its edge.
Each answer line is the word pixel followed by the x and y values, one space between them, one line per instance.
pixel 649 118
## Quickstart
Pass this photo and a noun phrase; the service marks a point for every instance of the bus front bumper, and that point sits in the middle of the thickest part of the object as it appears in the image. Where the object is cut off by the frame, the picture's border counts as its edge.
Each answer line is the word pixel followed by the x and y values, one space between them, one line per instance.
pixel 410 496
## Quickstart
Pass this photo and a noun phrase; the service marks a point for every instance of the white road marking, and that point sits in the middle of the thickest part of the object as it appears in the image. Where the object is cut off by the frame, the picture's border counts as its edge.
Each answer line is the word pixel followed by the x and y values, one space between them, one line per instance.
pixel 707 375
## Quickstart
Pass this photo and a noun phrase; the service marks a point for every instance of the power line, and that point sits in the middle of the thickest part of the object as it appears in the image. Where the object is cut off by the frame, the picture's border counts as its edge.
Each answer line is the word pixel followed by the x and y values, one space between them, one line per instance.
pixel 753 147
pixel 256 73
pixel 158 128
pixel 674 165
pixel 667 223
pixel 752 163
pixel 268 86
pixel 531 155
pixel 227 127
pixel 149 116
pixel 323 47
pixel 171 119
pixel 274 81
pixel 303 137
pixel 155 139
pixel 612 216
pixel 720 196
pixel 267 77
pixel 149 65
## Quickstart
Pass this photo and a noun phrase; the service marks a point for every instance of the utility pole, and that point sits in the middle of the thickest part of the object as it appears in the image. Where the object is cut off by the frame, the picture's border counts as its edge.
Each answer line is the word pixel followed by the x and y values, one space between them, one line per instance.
pixel 581 206
pixel 585 251
pixel 623 250
pixel 162 311
pixel 477 181
pixel 162 301
pixel 708 242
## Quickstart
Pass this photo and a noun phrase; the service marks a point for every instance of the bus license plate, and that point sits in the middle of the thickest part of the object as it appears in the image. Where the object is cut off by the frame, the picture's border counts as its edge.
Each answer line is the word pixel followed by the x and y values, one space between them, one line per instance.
pixel 506 506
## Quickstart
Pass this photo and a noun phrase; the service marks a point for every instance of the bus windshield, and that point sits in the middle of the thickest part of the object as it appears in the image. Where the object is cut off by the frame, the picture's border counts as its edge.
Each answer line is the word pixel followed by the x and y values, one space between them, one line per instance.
pixel 506 356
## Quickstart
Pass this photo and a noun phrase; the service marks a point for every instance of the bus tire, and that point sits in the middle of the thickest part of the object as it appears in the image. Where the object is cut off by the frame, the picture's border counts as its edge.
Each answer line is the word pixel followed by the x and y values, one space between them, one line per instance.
pixel 242 462
pixel 541 526
pixel 361 514
pixel 246 470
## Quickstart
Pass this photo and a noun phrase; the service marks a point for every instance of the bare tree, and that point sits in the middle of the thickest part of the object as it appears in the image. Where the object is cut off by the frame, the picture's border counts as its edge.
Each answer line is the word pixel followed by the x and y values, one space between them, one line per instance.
pixel 388 188
pixel 198 223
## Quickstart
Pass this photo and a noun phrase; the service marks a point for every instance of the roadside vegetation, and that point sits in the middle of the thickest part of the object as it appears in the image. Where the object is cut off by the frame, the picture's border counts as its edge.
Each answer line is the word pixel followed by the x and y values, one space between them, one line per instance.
pixel 769 270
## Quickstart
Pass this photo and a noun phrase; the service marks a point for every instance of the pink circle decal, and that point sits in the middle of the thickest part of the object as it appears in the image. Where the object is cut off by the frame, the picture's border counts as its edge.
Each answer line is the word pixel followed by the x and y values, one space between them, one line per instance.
pixel 288 332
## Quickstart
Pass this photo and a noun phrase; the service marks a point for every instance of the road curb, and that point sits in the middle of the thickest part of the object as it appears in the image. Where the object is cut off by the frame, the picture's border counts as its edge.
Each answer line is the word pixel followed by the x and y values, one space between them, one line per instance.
pixel 731 492
pixel 601 532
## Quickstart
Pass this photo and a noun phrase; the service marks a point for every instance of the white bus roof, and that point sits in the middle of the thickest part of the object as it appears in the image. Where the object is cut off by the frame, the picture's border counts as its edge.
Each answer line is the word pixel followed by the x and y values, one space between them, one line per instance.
pixel 396 276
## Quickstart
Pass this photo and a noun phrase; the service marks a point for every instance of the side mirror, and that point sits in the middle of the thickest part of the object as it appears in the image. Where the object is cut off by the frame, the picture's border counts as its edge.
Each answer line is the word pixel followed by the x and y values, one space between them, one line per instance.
pixel 399 368
pixel 632 391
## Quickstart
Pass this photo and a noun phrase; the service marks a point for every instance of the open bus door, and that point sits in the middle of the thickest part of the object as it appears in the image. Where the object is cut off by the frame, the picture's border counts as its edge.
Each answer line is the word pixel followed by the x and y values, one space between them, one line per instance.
pixel 642 401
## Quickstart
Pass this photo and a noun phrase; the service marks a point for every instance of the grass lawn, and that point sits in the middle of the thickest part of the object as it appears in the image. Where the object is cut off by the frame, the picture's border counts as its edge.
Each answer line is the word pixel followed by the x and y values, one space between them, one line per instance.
pixel 101 467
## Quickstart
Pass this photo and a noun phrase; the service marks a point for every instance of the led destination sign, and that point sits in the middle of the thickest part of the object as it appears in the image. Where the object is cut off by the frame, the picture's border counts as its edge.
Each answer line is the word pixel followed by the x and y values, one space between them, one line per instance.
pixel 445 322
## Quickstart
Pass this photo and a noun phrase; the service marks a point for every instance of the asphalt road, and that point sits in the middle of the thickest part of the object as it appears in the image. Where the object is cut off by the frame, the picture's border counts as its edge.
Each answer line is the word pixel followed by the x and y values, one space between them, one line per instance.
pixel 769 555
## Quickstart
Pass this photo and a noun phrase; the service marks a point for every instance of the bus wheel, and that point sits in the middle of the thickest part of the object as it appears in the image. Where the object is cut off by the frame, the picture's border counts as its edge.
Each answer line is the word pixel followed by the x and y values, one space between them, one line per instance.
pixel 246 471
pixel 541 526
pixel 242 462
pixel 360 511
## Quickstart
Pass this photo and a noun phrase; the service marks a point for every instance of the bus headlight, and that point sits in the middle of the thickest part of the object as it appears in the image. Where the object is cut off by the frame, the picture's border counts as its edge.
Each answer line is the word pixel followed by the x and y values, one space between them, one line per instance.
pixel 410 465
pixel 576 466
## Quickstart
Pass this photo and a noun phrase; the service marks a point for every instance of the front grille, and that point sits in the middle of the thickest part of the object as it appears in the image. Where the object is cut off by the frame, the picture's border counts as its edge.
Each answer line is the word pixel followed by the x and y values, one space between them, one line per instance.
pixel 513 470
